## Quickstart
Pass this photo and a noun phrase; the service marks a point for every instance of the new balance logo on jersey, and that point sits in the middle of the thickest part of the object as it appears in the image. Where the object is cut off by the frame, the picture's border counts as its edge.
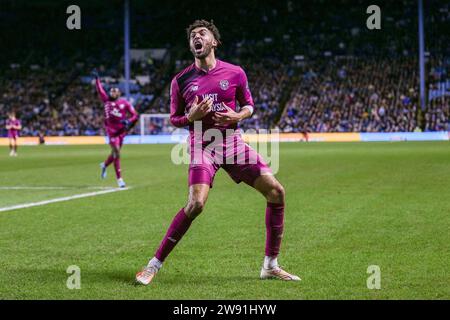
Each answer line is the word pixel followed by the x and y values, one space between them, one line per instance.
pixel 194 88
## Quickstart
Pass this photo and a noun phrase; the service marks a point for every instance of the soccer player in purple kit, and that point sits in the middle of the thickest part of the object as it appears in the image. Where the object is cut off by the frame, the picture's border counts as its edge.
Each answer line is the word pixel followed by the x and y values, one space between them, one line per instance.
pixel 219 85
pixel 117 125
pixel 13 126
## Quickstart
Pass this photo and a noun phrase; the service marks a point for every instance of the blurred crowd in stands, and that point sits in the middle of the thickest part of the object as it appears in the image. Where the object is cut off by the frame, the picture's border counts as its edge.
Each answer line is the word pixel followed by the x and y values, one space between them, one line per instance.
pixel 354 95
pixel 324 72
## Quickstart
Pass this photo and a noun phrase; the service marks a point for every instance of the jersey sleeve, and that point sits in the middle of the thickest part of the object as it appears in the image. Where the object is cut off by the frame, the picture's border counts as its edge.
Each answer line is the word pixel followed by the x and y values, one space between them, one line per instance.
pixel 100 90
pixel 243 94
pixel 133 112
pixel 177 106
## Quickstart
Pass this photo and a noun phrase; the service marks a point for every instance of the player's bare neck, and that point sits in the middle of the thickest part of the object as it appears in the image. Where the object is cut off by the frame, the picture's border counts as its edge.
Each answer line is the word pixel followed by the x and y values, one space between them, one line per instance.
pixel 206 64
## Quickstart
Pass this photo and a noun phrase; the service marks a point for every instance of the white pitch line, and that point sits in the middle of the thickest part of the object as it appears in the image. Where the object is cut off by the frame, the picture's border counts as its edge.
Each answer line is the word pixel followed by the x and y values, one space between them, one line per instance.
pixel 53 188
pixel 77 196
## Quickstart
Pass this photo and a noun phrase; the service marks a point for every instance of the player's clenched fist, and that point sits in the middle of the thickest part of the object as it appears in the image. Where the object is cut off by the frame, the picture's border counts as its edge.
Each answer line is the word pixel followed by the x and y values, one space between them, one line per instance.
pixel 199 110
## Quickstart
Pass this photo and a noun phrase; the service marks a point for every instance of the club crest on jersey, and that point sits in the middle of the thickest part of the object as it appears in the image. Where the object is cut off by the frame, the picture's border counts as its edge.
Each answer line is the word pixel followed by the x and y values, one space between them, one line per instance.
pixel 224 84
pixel 121 106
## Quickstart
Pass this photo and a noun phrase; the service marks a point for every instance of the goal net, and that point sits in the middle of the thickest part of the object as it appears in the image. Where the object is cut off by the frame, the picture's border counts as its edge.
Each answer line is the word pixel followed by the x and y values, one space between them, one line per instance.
pixel 155 124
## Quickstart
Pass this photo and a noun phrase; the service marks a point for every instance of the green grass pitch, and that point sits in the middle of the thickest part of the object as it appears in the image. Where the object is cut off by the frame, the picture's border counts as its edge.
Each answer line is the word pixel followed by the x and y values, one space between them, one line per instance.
pixel 349 206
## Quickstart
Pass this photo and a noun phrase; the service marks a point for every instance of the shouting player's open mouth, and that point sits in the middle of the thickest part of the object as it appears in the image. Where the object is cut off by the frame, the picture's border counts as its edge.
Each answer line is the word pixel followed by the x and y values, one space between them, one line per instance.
pixel 198 47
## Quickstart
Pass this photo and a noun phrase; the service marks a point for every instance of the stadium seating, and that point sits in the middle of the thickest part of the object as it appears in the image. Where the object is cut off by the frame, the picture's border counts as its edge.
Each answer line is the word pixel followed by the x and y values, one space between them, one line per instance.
pixel 309 69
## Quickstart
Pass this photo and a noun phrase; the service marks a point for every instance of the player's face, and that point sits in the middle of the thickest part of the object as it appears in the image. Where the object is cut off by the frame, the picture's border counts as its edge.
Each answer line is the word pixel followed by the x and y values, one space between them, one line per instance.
pixel 201 42
pixel 114 93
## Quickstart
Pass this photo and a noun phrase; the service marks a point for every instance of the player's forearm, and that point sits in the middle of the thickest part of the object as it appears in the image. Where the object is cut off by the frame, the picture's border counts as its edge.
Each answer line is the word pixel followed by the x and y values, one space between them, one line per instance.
pixel 245 113
pixel 179 121
pixel 100 90
pixel 134 117
pixel 98 85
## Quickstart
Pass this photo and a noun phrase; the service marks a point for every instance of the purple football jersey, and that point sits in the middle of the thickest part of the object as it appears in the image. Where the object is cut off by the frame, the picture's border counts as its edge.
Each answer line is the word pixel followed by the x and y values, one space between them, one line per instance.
pixel 13 123
pixel 225 83
pixel 115 112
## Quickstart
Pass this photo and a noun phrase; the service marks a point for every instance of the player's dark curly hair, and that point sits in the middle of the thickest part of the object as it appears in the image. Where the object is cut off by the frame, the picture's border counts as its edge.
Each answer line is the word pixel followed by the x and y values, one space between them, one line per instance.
pixel 206 24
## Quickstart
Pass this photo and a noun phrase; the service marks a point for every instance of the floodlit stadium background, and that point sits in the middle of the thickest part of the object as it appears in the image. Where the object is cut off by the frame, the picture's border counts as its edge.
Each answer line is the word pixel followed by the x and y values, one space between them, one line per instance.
pixel 313 65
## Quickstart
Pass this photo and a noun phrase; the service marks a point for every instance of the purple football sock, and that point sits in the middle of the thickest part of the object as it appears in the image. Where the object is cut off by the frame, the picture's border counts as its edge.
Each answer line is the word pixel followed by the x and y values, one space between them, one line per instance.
pixel 274 228
pixel 177 229
pixel 109 160
pixel 117 168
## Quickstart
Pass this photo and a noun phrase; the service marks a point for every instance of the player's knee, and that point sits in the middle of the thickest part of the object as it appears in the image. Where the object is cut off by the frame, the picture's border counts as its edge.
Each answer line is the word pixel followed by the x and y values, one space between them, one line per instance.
pixel 276 194
pixel 197 206
pixel 194 208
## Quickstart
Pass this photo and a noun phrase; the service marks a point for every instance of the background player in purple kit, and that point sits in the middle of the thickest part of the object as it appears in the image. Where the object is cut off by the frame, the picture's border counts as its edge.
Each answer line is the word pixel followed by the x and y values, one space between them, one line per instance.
pixel 206 92
pixel 117 125
pixel 13 126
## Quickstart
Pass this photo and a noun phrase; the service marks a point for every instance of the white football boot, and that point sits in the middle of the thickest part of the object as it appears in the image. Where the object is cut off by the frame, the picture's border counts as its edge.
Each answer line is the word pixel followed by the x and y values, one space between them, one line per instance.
pixel 147 274
pixel 121 183
pixel 277 273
